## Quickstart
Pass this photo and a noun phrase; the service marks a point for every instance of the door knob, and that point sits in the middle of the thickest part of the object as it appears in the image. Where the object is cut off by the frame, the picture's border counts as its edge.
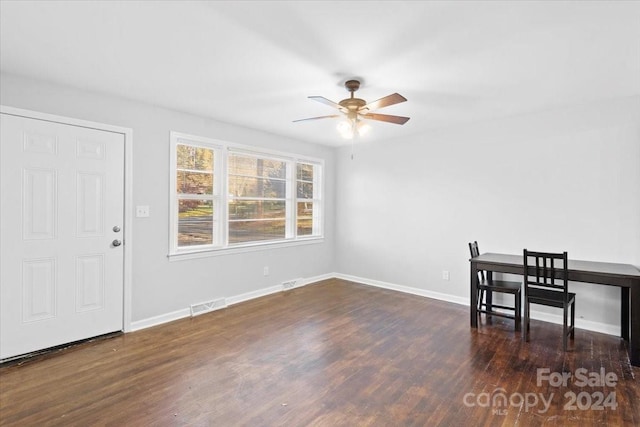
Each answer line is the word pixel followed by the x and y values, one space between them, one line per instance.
pixel 116 228
pixel 116 242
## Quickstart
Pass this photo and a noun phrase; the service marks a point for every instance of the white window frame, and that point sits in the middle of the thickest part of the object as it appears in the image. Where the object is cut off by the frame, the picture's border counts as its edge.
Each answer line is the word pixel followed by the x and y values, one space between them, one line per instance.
pixel 289 233
pixel 216 197
pixel 220 198
pixel 316 199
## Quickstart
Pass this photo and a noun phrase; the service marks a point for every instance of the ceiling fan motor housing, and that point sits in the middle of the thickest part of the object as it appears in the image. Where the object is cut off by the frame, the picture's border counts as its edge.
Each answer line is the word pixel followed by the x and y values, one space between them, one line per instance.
pixel 352 104
pixel 352 85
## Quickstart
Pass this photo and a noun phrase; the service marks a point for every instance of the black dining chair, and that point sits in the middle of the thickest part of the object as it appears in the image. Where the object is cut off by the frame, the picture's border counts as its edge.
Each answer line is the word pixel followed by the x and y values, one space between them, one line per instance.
pixel 487 286
pixel 546 283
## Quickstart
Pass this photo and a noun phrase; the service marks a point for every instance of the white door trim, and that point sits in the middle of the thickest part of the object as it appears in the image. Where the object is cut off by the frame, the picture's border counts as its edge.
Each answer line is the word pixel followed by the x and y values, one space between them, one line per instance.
pixel 128 189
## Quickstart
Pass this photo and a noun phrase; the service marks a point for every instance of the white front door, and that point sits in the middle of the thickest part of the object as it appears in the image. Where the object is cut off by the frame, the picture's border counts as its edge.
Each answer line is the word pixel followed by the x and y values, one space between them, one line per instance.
pixel 61 219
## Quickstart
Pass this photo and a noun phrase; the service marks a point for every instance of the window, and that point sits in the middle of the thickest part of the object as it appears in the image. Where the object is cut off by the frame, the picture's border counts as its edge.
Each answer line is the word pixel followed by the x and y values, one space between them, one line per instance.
pixel 196 198
pixel 225 196
pixel 257 198
pixel 308 200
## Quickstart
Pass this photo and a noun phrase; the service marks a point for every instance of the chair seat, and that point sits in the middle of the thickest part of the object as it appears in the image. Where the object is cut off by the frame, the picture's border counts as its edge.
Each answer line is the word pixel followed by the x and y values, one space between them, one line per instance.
pixel 501 286
pixel 549 297
pixel 487 287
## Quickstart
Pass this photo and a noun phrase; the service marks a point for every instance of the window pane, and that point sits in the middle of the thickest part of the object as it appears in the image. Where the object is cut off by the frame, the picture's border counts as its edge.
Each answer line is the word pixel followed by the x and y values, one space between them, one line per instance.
pixel 194 183
pixel 242 186
pixel 252 166
pixel 255 209
pixel 305 219
pixel 194 158
pixel 305 190
pixel 305 172
pixel 195 222
pixel 250 231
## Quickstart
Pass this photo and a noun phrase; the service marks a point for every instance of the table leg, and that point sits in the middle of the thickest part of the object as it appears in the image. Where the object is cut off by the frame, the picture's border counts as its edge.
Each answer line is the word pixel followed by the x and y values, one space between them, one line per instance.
pixel 624 313
pixel 634 339
pixel 474 295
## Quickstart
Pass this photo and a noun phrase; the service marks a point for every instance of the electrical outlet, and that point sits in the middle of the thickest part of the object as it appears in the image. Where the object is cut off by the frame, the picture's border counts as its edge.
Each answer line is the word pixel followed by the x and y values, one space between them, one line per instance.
pixel 265 270
pixel 445 275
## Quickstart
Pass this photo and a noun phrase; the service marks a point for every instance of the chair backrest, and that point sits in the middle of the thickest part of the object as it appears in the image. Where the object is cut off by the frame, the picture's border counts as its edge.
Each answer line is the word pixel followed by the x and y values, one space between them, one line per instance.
pixel 473 248
pixel 545 270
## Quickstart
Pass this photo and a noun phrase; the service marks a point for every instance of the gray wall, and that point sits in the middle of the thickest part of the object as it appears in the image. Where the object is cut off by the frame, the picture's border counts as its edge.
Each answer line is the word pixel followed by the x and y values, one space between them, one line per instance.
pixel 567 179
pixel 160 286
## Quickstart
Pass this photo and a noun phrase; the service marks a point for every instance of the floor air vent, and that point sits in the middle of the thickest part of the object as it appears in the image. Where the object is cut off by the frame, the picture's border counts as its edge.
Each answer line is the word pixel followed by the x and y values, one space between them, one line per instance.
pixel 207 306
pixel 290 284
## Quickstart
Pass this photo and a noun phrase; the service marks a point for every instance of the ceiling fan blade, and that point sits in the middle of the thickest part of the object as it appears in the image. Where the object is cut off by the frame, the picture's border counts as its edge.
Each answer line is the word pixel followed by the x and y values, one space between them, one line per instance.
pixel 392 99
pixel 329 102
pixel 399 120
pixel 317 118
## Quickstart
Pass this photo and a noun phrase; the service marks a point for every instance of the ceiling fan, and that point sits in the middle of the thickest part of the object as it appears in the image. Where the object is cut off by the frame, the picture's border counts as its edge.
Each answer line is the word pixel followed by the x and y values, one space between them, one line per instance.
pixel 354 110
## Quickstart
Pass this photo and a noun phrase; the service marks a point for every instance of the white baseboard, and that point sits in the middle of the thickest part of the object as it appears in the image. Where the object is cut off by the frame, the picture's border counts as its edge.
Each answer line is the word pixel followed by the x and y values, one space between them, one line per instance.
pixel 314 279
pixel 406 289
pixel 545 317
pixel 274 289
pixel 253 294
pixel 589 325
pixel 186 312
pixel 537 315
pixel 160 319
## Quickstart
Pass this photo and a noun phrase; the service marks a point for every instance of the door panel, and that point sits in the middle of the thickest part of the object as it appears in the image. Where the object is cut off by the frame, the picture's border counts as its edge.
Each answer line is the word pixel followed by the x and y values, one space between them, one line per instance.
pixel 62 194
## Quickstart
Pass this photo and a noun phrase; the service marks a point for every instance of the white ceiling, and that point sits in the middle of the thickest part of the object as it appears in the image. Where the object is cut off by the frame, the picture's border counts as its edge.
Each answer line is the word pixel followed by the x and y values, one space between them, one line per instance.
pixel 255 63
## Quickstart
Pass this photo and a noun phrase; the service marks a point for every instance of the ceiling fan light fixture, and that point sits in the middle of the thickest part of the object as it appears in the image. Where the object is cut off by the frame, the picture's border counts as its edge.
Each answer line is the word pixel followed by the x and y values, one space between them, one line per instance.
pixel 345 128
pixel 363 128
pixel 349 128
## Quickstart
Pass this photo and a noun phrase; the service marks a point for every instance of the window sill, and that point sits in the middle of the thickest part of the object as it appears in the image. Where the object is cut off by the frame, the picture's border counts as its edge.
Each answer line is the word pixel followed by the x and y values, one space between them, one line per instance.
pixel 242 249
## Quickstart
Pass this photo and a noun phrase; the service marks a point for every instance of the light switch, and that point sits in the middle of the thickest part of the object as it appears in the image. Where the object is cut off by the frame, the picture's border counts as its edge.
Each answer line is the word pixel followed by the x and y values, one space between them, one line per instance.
pixel 142 211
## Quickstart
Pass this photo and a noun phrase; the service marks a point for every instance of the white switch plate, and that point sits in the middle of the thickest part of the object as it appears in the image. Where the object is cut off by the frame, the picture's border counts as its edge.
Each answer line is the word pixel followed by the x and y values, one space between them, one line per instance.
pixel 142 211
pixel 445 275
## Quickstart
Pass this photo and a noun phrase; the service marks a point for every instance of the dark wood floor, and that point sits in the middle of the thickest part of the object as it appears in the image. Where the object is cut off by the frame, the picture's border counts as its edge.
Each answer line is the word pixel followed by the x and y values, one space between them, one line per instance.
pixel 330 354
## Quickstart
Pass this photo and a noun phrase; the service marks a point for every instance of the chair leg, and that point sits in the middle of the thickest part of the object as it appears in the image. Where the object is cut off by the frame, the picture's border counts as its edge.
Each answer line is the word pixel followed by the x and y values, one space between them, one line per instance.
pixel 573 319
pixel 480 297
pixel 517 303
pixel 525 336
pixel 564 327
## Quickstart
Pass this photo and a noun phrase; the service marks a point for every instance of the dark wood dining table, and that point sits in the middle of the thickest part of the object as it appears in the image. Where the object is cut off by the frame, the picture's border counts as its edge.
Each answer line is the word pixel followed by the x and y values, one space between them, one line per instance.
pixel 624 276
